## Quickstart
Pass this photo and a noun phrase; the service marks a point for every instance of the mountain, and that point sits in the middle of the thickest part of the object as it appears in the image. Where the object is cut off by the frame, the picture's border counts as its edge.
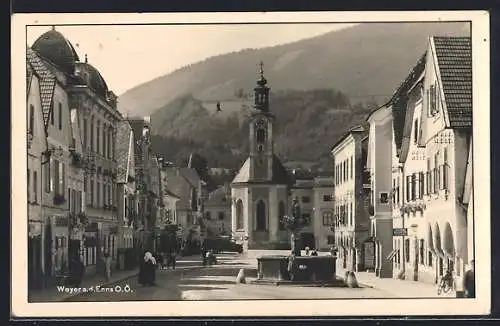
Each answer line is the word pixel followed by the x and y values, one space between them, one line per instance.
pixel 307 124
pixel 365 62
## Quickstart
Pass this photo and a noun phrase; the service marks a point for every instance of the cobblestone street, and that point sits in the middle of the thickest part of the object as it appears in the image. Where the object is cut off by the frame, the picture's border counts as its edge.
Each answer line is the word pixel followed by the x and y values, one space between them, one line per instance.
pixel 191 281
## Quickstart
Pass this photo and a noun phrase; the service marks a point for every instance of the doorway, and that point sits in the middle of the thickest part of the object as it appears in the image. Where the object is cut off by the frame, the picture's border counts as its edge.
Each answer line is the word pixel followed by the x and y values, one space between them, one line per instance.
pixel 34 262
pixel 48 250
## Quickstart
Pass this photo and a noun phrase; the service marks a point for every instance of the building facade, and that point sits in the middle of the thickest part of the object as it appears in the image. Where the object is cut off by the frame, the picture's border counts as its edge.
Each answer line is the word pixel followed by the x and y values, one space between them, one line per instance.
pixel 432 140
pixel 380 168
pixel 55 171
pixel 323 211
pixel 36 149
pixel 352 191
pixel 447 137
pixel 260 189
pixel 125 184
pixel 217 212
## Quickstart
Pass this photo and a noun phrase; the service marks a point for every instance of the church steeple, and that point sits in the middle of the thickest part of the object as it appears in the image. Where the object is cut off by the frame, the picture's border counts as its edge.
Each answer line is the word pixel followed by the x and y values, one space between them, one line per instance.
pixel 262 92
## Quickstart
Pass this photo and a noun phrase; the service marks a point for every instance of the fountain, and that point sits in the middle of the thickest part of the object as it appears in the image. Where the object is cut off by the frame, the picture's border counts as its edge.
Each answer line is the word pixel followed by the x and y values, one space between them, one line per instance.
pixel 296 269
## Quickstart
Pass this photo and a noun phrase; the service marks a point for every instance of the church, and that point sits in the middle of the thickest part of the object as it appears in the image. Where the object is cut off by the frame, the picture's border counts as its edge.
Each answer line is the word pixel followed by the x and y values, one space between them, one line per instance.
pixel 260 190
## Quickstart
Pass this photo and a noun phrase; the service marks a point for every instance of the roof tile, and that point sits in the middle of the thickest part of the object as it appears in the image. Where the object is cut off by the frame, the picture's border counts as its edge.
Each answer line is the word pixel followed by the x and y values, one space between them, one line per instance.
pixel 454 56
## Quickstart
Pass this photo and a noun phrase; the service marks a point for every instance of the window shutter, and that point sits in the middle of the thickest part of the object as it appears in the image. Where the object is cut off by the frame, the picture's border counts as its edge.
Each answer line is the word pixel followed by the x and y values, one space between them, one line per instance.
pixel 61 179
pixel 421 185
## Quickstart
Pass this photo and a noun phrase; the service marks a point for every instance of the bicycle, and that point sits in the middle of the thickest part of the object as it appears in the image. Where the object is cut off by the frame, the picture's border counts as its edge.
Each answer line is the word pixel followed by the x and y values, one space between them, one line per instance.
pixel 445 285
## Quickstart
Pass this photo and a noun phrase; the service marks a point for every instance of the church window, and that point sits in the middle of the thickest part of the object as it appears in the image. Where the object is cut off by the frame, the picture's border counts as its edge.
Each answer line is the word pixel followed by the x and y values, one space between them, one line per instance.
pixel 239 215
pixel 261 216
pixel 281 210
pixel 261 135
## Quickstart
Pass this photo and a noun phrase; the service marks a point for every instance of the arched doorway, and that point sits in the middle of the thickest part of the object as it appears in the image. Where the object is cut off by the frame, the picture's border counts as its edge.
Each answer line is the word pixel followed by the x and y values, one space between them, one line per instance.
pixel 449 247
pixel 261 224
pixel 438 250
pixel 240 224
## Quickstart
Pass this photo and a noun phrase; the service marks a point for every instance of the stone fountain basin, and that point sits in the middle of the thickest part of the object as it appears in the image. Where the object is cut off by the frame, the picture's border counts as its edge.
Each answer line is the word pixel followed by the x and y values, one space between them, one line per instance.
pixel 310 270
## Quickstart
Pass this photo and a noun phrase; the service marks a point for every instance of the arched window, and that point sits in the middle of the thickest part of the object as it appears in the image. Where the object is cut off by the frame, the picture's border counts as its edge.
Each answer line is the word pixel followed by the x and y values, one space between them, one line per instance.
pixel 281 213
pixel 261 216
pixel 261 135
pixel 239 215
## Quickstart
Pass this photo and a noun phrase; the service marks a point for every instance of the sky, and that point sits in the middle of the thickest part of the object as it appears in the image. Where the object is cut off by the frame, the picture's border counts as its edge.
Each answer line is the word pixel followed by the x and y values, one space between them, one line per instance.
pixel 129 55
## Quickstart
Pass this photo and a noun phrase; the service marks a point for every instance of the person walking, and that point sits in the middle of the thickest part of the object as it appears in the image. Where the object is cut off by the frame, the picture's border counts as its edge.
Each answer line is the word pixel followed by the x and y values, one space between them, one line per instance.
pixel 147 270
pixel 173 257
pixel 107 265
pixel 469 282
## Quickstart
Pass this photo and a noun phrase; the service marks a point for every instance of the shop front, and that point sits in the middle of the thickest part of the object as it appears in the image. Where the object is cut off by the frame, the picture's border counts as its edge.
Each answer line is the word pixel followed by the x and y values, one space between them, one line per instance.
pixel 60 244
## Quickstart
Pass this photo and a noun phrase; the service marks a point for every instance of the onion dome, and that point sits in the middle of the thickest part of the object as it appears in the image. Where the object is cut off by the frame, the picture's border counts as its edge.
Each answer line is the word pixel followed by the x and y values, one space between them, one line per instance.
pixel 92 77
pixel 54 47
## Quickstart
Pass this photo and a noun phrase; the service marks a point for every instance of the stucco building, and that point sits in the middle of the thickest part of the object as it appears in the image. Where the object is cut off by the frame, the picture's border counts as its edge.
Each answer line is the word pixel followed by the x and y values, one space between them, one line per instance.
pixel 36 148
pixel 432 144
pixel 259 192
pixel 380 169
pixel 323 211
pixel 125 184
pixel 217 212
pixel 352 196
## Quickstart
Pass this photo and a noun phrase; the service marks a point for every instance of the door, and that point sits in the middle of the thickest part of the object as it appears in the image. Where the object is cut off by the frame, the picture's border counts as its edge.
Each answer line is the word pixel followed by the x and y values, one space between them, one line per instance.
pixel 48 250
pixel 34 262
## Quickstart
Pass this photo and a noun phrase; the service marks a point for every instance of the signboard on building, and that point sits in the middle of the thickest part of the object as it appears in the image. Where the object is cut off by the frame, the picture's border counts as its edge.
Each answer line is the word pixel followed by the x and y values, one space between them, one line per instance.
pixel 399 232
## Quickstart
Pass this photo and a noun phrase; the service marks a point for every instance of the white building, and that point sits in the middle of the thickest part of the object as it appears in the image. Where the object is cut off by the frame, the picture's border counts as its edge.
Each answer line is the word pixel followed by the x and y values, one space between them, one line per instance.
pixel 37 146
pixel 431 157
pixel 352 201
pixel 323 211
pixel 380 169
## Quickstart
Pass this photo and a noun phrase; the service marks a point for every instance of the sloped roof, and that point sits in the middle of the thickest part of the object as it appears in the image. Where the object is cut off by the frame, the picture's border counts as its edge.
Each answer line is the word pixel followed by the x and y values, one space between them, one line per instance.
pixel 191 175
pixel 47 83
pixel 218 197
pixel 399 100
pixel 454 58
pixel 354 130
pixel 180 187
pixel 122 150
pixel 280 174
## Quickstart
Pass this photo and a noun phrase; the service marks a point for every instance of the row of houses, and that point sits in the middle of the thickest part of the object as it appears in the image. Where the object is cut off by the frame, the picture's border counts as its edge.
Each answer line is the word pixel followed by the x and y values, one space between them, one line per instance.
pixel 403 180
pixel 94 185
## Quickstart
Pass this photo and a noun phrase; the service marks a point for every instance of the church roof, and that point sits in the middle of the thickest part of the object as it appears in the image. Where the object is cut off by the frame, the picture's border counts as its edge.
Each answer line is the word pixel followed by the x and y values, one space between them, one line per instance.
pixel 280 174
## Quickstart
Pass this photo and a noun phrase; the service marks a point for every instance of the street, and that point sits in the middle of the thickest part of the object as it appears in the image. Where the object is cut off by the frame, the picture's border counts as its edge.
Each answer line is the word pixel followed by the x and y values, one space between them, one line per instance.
pixel 191 281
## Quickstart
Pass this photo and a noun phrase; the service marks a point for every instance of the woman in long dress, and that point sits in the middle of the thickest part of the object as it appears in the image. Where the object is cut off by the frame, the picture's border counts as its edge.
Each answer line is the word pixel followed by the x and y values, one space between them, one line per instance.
pixel 147 270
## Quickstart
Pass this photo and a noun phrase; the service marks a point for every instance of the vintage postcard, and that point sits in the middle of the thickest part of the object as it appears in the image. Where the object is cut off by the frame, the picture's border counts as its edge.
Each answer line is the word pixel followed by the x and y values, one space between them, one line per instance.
pixel 251 164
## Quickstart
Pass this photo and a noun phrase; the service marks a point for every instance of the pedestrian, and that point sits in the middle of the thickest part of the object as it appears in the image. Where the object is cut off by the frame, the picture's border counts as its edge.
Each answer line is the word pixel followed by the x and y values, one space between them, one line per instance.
pixel 107 265
pixel 307 251
pixel 173 257
pixel 469 281
pixel 77 270
pixel 203 251
pixel 147 270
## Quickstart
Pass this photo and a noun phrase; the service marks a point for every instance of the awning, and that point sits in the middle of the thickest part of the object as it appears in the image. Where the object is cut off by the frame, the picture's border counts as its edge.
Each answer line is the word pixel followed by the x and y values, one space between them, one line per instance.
pixel 392 254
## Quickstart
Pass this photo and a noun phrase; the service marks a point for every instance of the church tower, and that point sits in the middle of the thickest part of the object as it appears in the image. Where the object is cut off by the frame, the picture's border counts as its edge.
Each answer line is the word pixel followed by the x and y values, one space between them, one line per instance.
pixel 261 133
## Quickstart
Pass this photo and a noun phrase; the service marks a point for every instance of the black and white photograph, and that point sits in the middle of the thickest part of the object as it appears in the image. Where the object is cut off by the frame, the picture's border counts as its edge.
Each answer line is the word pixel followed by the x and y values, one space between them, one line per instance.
pixel 251 164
